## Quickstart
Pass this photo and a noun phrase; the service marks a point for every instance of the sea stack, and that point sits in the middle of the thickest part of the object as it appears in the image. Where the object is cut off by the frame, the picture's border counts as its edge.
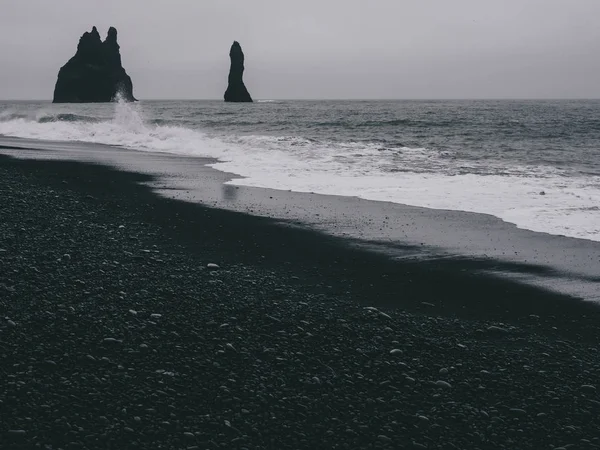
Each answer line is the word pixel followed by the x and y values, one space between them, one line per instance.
pixel 236 91
pixel 95 73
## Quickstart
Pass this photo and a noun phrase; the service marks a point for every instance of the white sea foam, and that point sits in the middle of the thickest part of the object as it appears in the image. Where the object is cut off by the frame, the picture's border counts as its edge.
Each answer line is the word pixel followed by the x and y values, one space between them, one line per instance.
pixel 413 176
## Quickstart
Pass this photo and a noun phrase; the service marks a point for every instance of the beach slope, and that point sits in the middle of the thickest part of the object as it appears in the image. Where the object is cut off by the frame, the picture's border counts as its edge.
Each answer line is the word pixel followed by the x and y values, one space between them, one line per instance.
pixel 118 330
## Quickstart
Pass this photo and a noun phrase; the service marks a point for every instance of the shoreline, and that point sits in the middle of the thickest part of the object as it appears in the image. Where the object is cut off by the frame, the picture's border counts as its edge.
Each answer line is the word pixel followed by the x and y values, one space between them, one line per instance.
pixel 464 280
pixel 564 265
pixel 116 333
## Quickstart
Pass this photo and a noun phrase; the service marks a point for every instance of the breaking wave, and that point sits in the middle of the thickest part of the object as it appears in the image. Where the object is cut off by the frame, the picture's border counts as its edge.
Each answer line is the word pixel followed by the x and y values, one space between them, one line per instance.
pixel 539 198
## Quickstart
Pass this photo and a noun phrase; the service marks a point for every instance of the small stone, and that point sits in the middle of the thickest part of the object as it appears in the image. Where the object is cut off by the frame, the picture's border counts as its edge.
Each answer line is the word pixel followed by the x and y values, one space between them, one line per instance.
pixel 212 266
pixel 497 330
pixel 133 312
pixel 155 316
pixel 111 341
pixel 588 387
pixel 17 433
pixel 443 371
pixel 189 435
pixel 443 384
pixel 518 411
pixel 396 351
pixel 11 323
pixel 384 438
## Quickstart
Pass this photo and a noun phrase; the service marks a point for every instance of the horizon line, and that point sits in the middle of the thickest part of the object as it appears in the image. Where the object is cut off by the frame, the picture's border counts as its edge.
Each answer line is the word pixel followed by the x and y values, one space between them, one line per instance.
pixel 338 99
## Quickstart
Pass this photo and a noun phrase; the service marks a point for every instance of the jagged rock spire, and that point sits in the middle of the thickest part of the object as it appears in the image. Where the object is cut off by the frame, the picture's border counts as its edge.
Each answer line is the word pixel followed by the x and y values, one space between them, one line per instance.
pixel 95 73
pixel 236 90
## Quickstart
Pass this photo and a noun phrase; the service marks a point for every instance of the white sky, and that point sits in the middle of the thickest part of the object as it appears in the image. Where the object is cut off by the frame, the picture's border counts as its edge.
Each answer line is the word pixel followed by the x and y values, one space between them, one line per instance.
pixel 316 48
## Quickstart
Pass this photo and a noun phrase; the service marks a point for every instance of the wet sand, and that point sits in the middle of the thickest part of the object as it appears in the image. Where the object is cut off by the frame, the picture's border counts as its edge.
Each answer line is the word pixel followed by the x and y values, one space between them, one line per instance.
pixel 558 263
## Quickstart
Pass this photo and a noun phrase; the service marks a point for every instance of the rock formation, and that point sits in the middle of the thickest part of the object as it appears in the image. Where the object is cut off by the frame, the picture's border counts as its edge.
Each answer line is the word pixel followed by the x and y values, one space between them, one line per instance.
pixel 95 73
pixel 236 91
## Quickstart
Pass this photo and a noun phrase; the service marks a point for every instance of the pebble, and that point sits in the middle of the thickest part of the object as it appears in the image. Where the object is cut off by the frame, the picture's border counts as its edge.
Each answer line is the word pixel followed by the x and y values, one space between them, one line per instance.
pixel 110 340
pixel 212 266
pixel 496 329
pixel 443 384
pixel 16 433
pixel 189 435
pixel 384 438
pixel 588 387
pixel 443 371
pixel 375 310
pixel 396 351
pixel 155 316
pixel 11 323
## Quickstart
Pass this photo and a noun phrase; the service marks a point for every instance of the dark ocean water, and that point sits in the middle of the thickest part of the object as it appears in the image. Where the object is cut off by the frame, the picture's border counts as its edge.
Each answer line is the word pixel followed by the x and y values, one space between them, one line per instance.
pixel 532 163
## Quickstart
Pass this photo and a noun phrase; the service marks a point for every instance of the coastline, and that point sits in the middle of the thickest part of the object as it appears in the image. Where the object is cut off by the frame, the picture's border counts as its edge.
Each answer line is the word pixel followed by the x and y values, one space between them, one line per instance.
pixel 116 333
pixel 440 238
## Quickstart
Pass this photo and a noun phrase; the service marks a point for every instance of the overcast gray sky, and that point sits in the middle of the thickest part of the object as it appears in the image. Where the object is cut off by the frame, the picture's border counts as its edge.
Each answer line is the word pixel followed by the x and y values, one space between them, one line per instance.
pixel 316 48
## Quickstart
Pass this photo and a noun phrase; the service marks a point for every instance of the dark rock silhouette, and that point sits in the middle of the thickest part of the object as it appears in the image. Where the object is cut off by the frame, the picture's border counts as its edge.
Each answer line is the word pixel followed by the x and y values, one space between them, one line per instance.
pixel 95 73
pixel 236 91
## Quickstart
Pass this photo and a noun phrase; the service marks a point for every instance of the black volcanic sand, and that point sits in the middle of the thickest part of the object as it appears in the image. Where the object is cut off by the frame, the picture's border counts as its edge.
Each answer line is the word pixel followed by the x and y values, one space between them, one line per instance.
pixel 115 334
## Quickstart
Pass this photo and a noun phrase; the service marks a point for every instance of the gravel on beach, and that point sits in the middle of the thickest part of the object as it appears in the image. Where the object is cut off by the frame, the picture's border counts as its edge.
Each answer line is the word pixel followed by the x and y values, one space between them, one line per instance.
pixel 124 325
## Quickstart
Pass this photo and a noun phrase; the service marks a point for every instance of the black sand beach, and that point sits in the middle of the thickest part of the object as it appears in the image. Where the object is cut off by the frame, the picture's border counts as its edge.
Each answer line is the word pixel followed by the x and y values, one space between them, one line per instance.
pixel 115 333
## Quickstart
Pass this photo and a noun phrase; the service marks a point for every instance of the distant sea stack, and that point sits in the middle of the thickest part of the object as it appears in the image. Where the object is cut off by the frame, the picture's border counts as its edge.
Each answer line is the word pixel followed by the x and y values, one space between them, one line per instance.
pixel 236 91
pixel 95 73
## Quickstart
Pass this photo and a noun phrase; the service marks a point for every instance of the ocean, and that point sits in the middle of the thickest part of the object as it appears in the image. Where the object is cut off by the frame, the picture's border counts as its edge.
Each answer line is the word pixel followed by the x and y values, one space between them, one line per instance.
pixel 535 164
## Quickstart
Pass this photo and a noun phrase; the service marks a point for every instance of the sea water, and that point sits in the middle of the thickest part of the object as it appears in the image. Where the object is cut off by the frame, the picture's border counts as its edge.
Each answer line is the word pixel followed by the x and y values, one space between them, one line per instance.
pixel 535 164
